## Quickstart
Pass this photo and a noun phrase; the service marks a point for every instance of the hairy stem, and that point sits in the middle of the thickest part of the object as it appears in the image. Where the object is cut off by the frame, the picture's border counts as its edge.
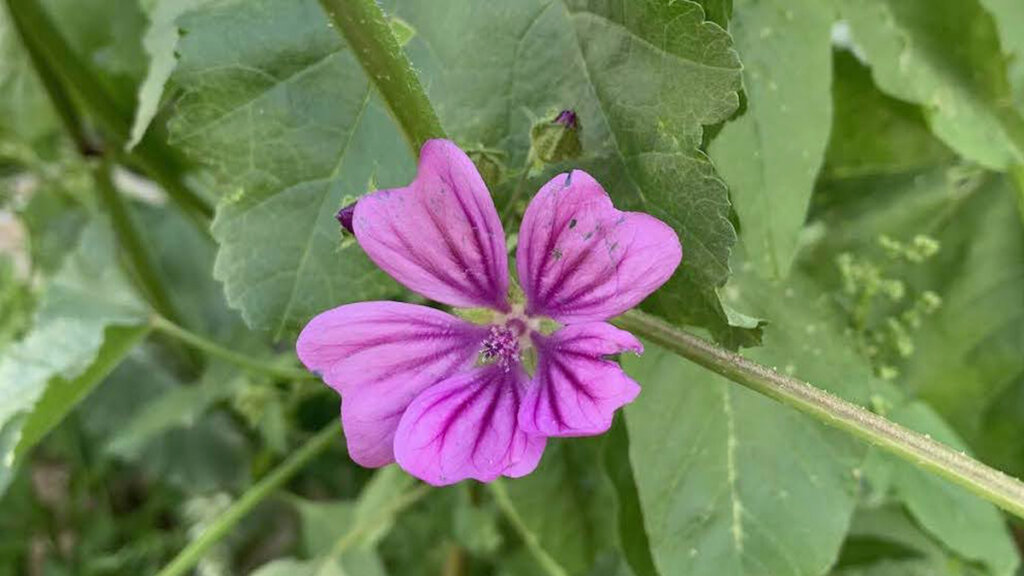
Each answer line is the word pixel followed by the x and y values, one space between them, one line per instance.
pixel 212 348
pixel 194 552
pixel 365 27
pixel 988 483
pixel 368 33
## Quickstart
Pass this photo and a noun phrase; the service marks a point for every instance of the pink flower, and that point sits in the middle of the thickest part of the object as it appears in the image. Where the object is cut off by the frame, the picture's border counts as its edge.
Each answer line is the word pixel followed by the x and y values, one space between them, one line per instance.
pixel 448 399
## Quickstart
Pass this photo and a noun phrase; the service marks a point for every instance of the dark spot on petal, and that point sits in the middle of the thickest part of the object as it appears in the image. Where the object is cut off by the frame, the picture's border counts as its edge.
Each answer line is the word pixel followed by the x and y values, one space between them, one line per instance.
pixel 568 180
pixel 572 223
pixel 556 254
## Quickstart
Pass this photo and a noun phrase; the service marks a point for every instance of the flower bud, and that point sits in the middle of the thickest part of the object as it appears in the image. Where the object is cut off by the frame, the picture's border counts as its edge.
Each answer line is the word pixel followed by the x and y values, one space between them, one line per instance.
pixel 344 217
pixel 558 139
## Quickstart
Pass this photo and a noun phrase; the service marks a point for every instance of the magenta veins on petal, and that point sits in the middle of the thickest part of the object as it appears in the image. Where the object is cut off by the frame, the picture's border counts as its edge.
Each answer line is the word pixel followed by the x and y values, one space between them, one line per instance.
pixel 448 399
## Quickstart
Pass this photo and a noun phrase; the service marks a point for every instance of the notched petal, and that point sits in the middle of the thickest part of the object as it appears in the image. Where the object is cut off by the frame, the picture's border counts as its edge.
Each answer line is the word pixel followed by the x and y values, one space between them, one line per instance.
pixel 581 260
pixel 441 235
pixel 576 388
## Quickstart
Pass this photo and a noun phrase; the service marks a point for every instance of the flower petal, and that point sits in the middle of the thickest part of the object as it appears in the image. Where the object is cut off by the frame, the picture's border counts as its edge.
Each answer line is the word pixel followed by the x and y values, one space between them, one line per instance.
pixel 581 260
pixel 440 236
pixel 379 356
pixel 466 427
pixel 576 391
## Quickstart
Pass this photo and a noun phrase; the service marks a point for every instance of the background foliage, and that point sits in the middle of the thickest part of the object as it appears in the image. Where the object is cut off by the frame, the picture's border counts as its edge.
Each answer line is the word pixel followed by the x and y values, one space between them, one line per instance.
pixel 847 179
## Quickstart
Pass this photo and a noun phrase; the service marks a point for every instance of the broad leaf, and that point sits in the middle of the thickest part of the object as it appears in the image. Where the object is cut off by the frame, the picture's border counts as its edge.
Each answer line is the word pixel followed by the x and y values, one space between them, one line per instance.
pixel 59 361
pixel 569 505
pixel 967 525
pixel 873 133
pixel 771 154
pixel 285 116
pixel 160 42
pixel 643 82
pixel 732 483
pixel 944 55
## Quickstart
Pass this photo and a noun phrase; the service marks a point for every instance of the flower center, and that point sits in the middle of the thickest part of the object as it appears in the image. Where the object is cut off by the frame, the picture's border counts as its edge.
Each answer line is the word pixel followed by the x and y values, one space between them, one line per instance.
pixel 502 345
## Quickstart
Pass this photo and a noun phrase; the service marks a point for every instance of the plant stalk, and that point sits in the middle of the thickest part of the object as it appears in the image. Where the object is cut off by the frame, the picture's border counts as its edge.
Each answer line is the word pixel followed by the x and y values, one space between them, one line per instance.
pixel 365 28
pixel 368 33
pixel 984 481
pixel 212 348
pixel 194 552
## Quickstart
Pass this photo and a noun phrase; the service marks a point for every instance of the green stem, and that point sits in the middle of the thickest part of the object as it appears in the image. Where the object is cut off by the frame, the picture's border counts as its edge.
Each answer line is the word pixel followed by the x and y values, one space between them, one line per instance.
pixel 214 349
pixel 506 212
pixel 368 33
pixel 1017 176
pixel 376 47
pixel 550 566
pixel 131 242
pixel 55 58
pixel 988 483
pixel 194 552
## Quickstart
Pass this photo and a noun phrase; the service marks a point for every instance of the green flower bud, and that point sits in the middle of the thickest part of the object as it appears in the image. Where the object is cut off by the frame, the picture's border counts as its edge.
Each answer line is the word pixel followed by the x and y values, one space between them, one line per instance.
pixel 557 140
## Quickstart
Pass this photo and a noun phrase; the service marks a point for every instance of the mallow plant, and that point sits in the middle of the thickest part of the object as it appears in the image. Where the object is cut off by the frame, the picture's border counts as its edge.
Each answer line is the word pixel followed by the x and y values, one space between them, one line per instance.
pixel 464 288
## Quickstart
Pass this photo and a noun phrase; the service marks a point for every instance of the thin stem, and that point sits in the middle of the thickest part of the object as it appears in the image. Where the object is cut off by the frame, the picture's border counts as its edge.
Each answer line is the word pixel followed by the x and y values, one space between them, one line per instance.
pixel 56 60
pixel 988 483
pixel 1017 176
pixel 366 30
pixel 194 552
pixel 524 176
pixel 368 33
pixel 131 241
pixel 214 349
pixel 353 536
pixel 550 566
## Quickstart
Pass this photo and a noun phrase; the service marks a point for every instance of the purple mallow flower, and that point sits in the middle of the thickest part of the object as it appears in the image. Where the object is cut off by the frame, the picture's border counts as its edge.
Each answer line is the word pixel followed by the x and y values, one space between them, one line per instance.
pixel 449 399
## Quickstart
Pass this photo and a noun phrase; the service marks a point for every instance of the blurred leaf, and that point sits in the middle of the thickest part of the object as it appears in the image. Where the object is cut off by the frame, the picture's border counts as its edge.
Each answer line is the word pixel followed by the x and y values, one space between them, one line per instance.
pixel 25 111
pixel 107 34
pixel 945 56
pixel 885 542
pixel 1009 19
pixel 731 482
pixel 969 526
pixel 643 82
pixel 206 453
pixel 288 121
pixel 55 364
pixel 160 43
pixel 569 504
pixel 873 133
pixel 632 534
pixel 336 527
pixel 971 349
pixel 770 155
pixel 358 564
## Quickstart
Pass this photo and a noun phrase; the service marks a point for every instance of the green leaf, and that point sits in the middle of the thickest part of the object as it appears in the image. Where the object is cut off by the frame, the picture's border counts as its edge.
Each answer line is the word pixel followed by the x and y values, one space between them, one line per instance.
pixel 969 526
pixel 886 542
pixel 770 155
pixel 730 482
pixel 643 82
pixel 25 111
pixel 285 116
pixel 58 362
pixel 336 527
pixel 971 350
pixel 358 564
pixel 203 455
pixel 944 55
pixel 569 505
pixel 873 133
pixel 160 42
pixel 1009 19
